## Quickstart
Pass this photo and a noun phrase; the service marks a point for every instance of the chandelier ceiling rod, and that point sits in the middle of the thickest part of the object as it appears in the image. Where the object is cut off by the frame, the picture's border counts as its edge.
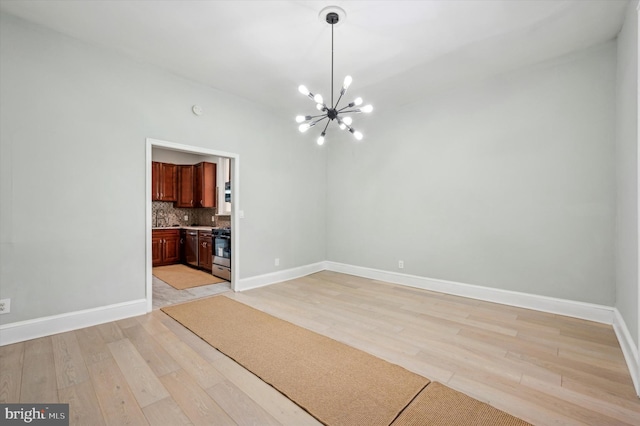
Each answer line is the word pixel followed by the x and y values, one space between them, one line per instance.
pixel 332 23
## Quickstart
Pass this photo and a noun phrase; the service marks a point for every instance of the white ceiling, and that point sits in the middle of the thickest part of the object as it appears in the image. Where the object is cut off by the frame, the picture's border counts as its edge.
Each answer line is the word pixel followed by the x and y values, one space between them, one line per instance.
pixel 396 51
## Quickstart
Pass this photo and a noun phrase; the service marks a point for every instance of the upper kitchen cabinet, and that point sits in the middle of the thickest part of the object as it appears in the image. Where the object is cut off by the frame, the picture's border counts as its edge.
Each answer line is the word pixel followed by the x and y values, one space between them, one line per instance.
pixel 197 185
pixel 185 187
pixel 163 182
pixel 205 184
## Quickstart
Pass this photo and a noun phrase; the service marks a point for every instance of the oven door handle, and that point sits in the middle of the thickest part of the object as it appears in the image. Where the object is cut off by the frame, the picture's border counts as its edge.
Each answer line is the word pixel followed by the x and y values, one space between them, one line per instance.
pixel 222 237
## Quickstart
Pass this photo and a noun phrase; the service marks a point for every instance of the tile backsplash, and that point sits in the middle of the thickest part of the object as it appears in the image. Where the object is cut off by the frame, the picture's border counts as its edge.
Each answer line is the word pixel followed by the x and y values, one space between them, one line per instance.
pixel 165 214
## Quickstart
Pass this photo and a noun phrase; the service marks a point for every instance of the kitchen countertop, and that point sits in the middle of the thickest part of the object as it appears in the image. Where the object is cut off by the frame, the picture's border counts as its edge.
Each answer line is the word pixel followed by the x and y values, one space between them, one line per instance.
pixel 197 227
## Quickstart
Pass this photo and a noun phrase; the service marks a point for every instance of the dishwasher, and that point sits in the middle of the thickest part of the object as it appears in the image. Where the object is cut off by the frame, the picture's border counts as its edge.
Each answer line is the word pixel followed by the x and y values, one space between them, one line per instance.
pixel 191 248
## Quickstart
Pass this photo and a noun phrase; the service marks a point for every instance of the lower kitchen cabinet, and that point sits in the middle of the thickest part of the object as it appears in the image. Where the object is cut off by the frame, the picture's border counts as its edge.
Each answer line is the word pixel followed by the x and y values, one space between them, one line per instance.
pixel 165 246
pixel 205 250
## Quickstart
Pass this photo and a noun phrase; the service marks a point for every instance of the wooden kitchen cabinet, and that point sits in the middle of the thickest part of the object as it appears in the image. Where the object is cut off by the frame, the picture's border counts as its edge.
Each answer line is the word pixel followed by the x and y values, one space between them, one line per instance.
pixel 196 185
pixel 165 246
pixel 205 184
pixel 185 187
pixel 164 182
pixel 205 250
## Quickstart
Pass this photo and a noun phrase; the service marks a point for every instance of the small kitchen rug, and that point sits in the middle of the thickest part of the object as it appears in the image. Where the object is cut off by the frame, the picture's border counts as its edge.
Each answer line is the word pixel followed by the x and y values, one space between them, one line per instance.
pixel 335 383
pixel 182 277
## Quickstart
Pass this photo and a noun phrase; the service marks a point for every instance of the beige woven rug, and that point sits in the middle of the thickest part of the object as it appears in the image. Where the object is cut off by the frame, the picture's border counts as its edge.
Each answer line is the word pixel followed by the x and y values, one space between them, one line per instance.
pixel 439 405
pixel 335 383
pixel 182 277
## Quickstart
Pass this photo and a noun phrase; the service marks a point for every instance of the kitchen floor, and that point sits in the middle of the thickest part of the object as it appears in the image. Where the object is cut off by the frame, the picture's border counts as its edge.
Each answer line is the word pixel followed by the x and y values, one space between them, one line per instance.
pixel 164 294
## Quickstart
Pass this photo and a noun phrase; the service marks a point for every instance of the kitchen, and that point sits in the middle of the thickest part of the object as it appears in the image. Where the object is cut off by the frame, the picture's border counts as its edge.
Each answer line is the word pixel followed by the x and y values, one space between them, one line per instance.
pixel 191 224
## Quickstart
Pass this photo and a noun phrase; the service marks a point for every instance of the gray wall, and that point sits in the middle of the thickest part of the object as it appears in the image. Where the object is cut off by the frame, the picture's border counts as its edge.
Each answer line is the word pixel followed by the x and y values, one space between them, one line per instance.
pixel 73 123
pixel 506 183
pixel 627 173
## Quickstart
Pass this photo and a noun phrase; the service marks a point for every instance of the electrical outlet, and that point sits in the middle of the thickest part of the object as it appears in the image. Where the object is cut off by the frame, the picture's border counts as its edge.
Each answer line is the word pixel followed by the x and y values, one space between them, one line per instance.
pixel 186 218
pixel 400 264
pixel 277 261
pixel 213 218
pixel 5 306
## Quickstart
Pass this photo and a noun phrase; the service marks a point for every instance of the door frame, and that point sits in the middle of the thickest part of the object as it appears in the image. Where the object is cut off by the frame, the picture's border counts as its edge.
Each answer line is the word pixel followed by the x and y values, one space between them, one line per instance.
pixel 235 204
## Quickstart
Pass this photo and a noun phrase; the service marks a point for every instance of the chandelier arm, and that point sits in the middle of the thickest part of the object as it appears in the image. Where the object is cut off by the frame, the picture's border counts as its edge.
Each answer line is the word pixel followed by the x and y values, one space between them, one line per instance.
pixel 313 123
pixel 351 110
pixel 338 101
pixel 325 127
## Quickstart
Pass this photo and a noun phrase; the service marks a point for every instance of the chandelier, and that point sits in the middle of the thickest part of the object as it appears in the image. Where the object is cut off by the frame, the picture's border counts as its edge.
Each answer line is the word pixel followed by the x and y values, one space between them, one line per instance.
pixel 331 112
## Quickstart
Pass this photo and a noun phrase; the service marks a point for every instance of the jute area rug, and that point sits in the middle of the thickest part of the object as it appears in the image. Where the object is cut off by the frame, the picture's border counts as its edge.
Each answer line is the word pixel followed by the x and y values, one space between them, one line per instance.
pixel 335 383
pixel 182 277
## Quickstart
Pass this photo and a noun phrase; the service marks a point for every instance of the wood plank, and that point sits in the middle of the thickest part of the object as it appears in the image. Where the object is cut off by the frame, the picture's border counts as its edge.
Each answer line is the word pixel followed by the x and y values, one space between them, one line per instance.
pixel 69 362
pixel 127 322
pixel 110 332
pixel 153 353
pixel 241 408
pixel 614 410
pixel 117 403
pixel 39 372
pixel 277 405
pixel 84 408
pixel 198 367
pixel 142 381
pixel 203 349
pixel 92 345
pixel 165 412
pixel 11 360
pixel 194 401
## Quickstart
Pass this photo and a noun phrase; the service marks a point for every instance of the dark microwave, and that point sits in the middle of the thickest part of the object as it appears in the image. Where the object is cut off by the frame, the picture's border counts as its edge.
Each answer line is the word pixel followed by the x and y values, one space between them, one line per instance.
pixel 227 192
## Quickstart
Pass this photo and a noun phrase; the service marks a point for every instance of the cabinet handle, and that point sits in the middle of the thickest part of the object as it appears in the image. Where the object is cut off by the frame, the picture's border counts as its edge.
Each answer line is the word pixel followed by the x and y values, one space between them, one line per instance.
pixel 181 241
pixel 201 203
pixel 191 202
pixel 161 194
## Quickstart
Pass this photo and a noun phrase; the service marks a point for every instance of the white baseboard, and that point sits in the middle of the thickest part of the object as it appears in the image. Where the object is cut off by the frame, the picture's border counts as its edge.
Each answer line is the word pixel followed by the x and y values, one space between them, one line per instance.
pixel 31 329
pixel 279 276
pixel 588 311
pixel 629 348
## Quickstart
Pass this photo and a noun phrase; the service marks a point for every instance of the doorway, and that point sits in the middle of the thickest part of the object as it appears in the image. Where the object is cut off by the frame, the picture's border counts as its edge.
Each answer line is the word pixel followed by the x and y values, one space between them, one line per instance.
pixel 234 165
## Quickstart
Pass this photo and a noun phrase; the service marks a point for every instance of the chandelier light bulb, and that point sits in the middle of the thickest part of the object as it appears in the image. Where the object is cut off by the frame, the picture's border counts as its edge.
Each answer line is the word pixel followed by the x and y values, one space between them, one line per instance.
pixel 320 140
pixel 320 107
pixel 342 125
pixel 356 134
pixel 304 127
pixel 303 89
pixel 300 118
pixel 367 108
pixel 347 82
pixel 318 99
pixel 357 101
pixel 347 120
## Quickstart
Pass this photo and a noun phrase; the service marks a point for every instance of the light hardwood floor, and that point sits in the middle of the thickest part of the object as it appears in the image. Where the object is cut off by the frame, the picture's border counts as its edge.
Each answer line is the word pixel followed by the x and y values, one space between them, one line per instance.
pixel 543 368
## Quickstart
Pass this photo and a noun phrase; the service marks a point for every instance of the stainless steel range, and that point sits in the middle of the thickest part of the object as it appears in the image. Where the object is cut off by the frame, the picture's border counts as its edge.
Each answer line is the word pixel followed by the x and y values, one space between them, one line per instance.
pixel 222 253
